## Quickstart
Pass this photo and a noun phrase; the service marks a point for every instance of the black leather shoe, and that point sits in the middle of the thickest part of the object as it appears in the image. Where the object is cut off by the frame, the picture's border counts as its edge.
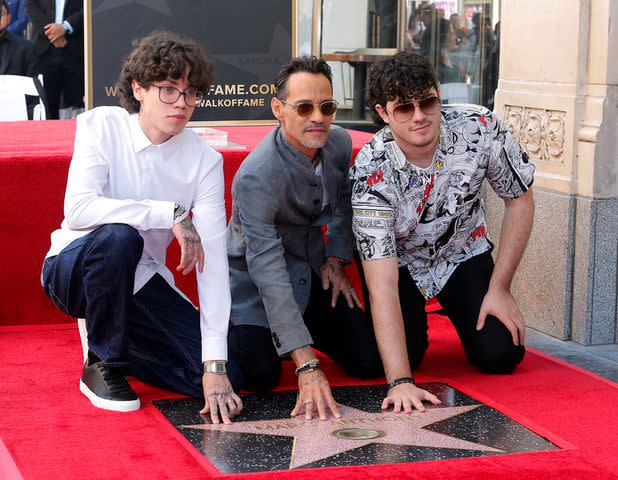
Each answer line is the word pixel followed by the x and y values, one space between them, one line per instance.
pixel 107 389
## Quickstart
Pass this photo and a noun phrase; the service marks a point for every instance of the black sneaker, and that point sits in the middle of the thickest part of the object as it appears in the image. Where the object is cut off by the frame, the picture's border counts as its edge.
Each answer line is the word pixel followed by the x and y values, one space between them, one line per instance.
pixel 107 389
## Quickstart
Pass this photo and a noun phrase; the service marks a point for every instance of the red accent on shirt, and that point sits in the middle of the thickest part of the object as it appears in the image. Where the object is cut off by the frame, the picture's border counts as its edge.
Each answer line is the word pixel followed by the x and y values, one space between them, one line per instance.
pixel 426 193
pixel 478 232
pixel 375 178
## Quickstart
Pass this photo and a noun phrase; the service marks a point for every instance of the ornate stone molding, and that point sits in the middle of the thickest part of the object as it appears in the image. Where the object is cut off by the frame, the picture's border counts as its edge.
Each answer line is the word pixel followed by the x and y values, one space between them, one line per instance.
pixel 540 132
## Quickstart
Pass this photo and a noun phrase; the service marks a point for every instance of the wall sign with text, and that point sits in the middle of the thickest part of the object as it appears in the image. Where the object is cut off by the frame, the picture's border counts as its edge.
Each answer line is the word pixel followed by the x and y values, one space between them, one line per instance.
pixel 248 42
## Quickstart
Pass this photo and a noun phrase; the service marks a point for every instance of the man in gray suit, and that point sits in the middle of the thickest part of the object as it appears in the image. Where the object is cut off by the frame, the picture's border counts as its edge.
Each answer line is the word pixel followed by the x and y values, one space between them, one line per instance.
pixel 285 281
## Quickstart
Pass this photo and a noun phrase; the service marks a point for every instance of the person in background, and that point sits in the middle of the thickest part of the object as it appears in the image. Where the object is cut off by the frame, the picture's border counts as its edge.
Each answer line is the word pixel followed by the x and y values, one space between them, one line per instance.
pixel 15 52
pixel 57 26
pixel 19 19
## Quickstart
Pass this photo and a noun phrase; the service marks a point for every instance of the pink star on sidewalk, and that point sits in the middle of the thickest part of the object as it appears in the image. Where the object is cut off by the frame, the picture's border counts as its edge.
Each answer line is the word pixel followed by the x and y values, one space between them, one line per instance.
pixel 314 439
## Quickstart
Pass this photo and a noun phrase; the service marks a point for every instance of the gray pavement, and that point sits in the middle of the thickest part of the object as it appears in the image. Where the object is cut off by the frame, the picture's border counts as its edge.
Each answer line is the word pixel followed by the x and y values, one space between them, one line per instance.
pixel 599 359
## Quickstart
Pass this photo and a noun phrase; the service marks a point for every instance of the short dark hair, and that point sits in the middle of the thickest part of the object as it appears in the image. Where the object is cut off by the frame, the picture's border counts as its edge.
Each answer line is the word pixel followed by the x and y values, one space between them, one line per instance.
pixel 403 76
pixel 4 5
pixel 300 64
pixel 162 55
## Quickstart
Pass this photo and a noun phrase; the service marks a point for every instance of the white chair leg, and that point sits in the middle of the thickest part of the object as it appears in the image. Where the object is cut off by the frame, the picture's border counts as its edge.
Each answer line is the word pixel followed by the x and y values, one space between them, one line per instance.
pixel 83 335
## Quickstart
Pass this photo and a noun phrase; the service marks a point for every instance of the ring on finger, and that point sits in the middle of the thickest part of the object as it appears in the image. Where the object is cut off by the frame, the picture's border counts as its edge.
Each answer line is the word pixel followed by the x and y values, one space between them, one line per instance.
pixel 230 401
pixel 306 402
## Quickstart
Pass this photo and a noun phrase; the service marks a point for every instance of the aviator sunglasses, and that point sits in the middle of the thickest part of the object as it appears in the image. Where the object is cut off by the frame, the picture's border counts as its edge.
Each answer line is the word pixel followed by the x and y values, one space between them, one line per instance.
pixel 305 109
pixel 405 111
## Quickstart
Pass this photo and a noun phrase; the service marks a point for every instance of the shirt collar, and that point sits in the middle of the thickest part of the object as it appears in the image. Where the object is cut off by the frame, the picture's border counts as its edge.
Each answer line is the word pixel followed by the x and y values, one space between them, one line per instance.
pixel 138 137
pixel 142 142
pixel 293 155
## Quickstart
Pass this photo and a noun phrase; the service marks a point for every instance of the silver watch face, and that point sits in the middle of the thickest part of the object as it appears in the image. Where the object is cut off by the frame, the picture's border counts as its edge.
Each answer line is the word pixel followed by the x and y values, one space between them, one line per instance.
pixel 218 367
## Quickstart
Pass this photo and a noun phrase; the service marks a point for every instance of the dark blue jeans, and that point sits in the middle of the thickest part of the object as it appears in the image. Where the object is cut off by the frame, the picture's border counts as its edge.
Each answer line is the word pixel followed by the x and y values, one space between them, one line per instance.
pixel 153 335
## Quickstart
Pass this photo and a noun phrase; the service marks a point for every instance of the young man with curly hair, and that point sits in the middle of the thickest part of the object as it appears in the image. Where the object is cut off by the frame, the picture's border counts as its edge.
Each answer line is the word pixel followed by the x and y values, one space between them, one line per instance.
pixel 419 222
pixel 135 175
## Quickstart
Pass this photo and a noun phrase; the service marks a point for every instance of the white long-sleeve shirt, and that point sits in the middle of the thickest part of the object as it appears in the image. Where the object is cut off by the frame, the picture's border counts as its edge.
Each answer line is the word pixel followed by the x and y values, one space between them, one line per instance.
pixel 117 175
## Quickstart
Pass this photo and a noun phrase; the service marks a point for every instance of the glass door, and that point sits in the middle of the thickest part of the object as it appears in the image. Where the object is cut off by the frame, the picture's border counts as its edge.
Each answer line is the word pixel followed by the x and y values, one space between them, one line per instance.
pixel 460 37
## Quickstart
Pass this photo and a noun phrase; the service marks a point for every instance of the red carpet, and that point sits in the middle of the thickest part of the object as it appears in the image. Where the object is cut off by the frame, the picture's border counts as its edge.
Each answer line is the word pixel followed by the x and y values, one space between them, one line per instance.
pixel 51 430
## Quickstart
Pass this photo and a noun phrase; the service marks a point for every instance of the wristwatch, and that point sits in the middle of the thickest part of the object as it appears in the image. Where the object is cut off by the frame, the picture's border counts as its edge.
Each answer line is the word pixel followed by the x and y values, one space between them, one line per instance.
pixel 215 367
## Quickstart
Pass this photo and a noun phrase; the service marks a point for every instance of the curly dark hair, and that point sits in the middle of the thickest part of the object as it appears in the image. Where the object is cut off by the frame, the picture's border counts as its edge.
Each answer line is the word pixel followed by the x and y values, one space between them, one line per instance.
pixel 300 64
pixel 403 76
pixel 159 56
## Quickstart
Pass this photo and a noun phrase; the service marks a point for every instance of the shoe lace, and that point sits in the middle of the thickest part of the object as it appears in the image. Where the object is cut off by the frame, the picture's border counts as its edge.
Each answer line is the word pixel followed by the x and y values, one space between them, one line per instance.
pixel 114 381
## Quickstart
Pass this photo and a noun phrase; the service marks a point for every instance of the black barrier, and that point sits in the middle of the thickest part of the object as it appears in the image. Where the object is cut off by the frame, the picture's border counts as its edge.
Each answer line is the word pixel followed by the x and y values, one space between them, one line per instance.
pixel 248 41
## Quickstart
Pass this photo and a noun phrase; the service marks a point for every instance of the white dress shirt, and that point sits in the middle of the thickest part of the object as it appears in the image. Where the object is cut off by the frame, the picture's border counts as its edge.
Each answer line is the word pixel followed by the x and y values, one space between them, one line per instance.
pixel 59 18
pixel 117 175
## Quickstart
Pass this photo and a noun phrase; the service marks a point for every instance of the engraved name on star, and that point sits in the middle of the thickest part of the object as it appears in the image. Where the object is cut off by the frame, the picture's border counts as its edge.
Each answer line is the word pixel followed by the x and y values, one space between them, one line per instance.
pixel 314 440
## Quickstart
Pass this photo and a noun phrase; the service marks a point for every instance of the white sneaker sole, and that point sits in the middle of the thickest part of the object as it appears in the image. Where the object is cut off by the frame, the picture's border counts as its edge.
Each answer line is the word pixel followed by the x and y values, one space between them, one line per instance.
pixel 116 406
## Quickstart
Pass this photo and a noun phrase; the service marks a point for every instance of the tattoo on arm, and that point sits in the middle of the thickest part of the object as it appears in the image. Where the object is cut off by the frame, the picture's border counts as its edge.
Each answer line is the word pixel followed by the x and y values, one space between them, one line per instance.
pixel 191 237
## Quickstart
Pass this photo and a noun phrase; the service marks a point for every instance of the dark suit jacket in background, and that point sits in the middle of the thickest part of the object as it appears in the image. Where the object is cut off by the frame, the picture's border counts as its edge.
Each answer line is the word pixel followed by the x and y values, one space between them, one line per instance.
pixel 42 12
pixel 274 237
pixel 15 55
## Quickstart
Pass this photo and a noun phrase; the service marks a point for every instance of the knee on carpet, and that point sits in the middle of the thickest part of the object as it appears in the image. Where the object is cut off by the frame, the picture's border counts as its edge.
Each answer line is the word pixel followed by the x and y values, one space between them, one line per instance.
pixel 498 359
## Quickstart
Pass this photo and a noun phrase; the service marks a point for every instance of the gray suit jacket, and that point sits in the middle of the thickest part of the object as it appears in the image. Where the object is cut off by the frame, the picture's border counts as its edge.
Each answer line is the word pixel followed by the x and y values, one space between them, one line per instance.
pixel 274 237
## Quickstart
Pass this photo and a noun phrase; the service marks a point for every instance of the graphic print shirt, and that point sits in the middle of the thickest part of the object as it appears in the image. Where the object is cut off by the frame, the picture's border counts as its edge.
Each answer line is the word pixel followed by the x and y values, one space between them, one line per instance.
pixel 433 219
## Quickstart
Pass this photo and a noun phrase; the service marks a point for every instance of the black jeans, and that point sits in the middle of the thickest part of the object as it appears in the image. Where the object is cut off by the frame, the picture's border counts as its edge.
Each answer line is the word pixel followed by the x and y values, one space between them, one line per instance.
pixel 345 334
pixel 490 349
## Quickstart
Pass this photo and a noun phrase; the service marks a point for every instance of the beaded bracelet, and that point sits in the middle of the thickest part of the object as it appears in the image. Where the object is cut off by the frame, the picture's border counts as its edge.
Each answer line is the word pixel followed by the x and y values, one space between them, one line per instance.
pixel 399 381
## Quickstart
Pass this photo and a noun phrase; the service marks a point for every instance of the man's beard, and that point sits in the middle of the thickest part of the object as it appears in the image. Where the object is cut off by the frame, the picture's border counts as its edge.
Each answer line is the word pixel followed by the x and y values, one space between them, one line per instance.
pixel 309 143
pixel 314 143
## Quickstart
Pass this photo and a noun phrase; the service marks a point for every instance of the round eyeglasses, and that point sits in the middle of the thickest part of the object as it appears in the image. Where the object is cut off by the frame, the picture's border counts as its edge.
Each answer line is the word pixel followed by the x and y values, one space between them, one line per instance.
pixel 169 94
pixel 405 111
pixel 305 109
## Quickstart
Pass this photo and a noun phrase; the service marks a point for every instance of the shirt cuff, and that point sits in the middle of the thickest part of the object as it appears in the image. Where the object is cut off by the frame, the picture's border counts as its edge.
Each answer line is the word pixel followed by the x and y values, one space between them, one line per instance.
pixel 67 27
pixel 214 348
pixel 162 214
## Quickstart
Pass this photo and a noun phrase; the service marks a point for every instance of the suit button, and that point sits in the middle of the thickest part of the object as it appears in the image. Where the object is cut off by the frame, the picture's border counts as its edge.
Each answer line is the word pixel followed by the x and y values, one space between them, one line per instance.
pixel 278 345
pixel 302 281
pixel 316 201
pixel 314 184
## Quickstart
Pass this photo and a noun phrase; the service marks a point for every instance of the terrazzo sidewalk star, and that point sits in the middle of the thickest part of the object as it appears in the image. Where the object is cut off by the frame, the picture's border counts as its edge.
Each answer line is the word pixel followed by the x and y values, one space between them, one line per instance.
pixel 265 438
pixel 316 439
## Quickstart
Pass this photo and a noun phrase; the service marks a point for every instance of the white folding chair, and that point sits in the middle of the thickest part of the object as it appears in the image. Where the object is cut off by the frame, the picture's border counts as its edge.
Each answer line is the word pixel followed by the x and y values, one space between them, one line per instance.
pixel 13 91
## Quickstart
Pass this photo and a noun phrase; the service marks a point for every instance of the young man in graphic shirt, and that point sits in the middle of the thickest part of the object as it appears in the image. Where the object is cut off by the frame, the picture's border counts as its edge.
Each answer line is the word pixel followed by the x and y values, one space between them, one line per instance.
pixel 420 228
pixel 136 173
